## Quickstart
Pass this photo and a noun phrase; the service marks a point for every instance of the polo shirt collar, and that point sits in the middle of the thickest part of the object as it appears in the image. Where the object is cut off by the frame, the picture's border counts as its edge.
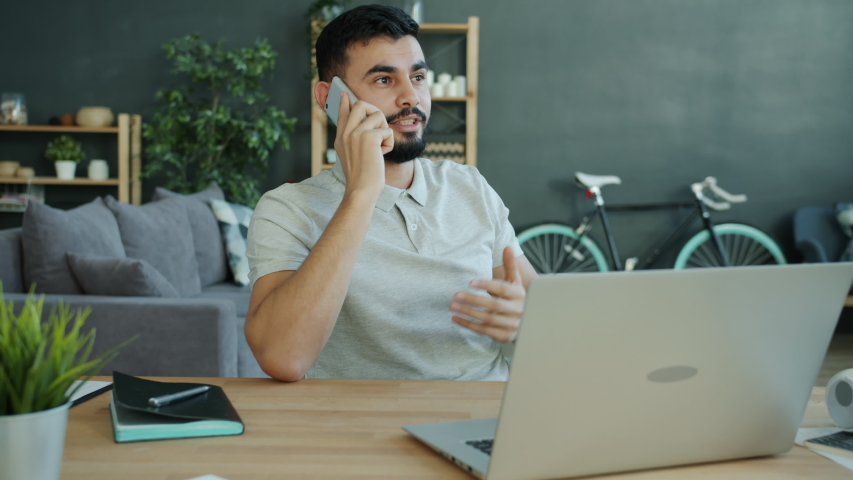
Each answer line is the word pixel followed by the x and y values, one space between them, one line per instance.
pixel 418 190
pixel 387 198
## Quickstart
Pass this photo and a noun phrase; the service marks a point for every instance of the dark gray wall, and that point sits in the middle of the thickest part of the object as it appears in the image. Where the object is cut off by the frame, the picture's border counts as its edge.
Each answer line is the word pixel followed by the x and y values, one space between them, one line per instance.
pixel 660 92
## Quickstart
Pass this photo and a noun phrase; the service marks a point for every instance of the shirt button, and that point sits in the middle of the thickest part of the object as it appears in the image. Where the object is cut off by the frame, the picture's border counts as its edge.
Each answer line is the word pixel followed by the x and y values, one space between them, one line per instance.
pixel 414 226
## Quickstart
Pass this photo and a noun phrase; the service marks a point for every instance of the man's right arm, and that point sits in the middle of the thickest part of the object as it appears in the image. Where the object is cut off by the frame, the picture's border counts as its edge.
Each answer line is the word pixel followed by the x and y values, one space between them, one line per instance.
pixel 292 313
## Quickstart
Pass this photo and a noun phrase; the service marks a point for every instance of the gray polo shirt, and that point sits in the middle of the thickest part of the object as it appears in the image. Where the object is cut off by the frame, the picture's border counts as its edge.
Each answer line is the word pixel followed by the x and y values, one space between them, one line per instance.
pixel 423 245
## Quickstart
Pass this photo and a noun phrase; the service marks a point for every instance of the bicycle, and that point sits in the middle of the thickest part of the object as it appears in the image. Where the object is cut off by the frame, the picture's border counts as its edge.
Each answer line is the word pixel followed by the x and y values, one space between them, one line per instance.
pixel 556 248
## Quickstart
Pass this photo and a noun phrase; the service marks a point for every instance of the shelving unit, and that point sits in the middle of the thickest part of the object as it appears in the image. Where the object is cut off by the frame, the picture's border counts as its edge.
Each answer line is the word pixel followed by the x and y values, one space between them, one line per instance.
pixel 319 122
pixel 127 181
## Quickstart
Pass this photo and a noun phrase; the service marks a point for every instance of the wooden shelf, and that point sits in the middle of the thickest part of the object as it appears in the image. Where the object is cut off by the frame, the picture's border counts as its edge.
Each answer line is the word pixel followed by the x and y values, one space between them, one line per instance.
pixel 57 181
pixel 849 301
pixel 444 27
pixel 57 129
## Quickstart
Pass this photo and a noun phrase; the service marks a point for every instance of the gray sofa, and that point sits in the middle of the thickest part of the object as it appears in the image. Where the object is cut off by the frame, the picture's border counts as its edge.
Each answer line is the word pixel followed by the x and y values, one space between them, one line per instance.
pixel 199 335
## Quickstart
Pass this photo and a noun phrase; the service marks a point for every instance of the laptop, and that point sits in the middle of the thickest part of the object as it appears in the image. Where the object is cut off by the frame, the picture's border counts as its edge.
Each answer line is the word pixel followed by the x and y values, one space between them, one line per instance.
pixel 636 370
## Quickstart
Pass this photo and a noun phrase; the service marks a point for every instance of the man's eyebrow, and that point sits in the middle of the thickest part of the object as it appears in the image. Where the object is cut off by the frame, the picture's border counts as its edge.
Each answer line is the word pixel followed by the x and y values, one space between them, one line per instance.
pixel 381 69
pixel 391 69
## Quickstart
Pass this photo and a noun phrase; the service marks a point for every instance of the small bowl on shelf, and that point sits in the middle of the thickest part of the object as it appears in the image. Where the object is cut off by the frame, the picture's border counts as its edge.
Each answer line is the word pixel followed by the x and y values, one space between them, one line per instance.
pixel 25 172
pixel 7 168
pixel 95 117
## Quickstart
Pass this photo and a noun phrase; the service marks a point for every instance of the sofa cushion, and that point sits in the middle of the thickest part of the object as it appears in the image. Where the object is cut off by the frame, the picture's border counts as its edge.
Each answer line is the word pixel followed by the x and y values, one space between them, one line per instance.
pixel 122 277
pixel 234 222
pixel 48 234
pixel 11 260
pixel 159 233
pixel 238 294
pixel 247 365
pixel 209 248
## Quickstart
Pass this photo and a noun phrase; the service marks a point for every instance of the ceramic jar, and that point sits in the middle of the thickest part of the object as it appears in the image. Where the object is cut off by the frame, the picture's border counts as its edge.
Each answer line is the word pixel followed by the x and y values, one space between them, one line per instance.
pixel 98 170
pixel 95 117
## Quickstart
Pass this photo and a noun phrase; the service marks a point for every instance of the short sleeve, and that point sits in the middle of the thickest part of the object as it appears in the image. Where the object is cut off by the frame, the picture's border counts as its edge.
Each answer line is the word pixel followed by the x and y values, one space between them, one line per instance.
pixel 280 236
pixel 504 233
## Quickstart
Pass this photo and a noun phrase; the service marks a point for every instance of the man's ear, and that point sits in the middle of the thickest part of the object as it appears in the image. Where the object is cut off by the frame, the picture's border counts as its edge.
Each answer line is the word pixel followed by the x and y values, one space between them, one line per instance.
pixel 321 93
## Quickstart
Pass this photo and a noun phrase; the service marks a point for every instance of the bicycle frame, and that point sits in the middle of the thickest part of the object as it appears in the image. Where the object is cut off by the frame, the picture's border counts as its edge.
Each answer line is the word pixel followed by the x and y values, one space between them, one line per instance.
pixel 699 209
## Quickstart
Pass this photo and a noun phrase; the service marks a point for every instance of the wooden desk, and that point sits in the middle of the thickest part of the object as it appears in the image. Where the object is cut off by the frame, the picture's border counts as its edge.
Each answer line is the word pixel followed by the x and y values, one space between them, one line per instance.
pixel 338 429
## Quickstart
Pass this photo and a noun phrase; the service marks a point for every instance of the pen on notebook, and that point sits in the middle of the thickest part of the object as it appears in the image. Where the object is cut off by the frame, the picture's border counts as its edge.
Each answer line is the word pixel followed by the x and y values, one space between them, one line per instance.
pixel 176 397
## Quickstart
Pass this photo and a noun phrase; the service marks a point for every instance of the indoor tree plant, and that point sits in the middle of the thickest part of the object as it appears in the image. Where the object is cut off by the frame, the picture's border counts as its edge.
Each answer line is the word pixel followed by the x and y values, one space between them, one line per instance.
pixel 65 153
pixel 39 362
pixel 220 127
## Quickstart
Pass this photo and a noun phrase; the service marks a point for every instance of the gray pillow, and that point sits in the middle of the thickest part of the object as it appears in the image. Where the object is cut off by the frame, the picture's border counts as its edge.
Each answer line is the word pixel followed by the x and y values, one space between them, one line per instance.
pixel 48 234
pixel 209 249
pixel 159 233
pixel 123 277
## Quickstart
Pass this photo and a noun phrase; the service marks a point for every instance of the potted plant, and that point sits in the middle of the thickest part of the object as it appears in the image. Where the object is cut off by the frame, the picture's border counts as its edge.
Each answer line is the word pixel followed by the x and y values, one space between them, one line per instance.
pixel 220 126
pixel 39 362
pixel 66 153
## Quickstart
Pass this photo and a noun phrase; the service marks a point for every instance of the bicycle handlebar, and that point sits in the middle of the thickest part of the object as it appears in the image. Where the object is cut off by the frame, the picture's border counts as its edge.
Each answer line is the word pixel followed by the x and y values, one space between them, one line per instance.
pixel 711 183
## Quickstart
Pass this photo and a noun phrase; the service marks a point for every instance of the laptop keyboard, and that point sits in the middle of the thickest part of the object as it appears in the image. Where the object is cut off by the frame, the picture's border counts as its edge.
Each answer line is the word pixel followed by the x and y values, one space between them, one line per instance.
pixel 484 446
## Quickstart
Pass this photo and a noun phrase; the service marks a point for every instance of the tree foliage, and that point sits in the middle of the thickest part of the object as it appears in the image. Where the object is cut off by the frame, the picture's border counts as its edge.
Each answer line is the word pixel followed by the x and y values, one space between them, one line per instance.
pixel 220 127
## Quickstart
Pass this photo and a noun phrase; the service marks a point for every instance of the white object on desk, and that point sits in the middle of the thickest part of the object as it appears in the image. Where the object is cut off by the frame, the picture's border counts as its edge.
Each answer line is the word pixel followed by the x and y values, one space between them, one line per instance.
pixel 437 90
pixel 839 399
pixel 208 477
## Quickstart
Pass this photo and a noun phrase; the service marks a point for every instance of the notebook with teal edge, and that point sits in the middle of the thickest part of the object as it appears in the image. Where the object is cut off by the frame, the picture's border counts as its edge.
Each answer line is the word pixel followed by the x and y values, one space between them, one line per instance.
pixel 134 420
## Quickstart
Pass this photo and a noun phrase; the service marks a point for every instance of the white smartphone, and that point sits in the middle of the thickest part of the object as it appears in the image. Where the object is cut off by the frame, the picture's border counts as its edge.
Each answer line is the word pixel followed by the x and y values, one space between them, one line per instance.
pixel 333 101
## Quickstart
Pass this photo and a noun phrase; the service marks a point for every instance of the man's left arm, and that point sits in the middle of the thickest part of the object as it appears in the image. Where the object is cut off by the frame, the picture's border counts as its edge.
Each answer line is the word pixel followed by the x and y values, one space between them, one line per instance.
pixel 498 315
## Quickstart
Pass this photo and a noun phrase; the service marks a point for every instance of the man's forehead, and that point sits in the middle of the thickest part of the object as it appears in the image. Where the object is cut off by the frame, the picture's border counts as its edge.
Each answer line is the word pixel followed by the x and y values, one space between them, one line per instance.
pixel 402 53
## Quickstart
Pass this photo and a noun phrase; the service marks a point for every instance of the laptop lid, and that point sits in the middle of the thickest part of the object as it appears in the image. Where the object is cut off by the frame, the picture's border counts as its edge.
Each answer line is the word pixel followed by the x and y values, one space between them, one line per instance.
pixel 633 370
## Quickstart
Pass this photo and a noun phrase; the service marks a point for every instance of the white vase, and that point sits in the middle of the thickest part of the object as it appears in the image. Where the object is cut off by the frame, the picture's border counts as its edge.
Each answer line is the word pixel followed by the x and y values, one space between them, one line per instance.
pixel 31 444
pixel 98 170
pixel 65 169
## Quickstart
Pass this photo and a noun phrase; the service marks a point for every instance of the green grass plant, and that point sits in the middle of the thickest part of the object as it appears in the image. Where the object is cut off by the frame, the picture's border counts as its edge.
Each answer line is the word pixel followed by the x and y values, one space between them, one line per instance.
pixel 39 361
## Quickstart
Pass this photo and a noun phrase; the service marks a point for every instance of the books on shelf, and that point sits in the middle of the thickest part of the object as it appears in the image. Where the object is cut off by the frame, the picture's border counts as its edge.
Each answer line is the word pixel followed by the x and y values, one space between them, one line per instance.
pixel 134 419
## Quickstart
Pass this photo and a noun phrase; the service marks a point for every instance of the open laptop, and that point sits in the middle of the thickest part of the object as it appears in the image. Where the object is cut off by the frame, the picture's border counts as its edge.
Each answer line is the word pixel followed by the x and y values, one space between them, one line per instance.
pixel 627 371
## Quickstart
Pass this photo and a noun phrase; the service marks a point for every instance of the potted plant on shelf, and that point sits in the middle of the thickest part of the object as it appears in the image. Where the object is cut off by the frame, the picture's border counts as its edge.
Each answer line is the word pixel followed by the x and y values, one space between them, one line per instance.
pixel 39 362
pixel 65 153
pixel 220 126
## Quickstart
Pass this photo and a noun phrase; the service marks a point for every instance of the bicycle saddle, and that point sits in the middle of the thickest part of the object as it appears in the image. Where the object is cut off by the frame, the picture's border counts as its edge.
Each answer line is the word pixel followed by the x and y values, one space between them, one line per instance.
pixel 592 181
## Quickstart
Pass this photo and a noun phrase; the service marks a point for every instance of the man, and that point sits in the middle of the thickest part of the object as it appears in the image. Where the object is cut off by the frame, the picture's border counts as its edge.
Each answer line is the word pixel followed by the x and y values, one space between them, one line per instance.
pixel 354 269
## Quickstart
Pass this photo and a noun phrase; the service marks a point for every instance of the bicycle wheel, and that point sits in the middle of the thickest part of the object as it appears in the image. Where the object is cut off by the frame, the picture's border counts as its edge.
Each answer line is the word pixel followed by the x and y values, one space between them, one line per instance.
pixel 553 248
pixel 744 245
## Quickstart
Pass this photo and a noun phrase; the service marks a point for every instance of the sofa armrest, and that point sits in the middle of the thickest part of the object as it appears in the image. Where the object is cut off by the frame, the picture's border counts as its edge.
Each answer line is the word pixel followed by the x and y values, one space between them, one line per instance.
pixel 178 337
pixel 812 251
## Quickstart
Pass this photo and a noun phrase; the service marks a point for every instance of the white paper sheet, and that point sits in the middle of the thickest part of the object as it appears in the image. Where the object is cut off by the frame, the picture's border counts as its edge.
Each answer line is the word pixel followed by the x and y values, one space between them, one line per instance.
pixel 89 387
pixel 804 434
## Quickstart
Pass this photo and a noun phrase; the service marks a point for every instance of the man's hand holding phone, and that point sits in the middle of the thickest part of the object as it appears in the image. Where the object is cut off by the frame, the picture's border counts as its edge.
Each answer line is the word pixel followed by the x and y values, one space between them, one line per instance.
pixel 362 140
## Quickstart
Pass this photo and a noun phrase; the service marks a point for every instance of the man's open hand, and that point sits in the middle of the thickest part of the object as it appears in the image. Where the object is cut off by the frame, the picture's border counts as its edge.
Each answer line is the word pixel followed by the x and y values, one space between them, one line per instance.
pixel 498 315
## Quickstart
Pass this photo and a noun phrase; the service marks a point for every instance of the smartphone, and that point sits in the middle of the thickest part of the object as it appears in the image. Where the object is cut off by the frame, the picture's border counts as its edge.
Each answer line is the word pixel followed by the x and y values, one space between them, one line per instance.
pixel 333 101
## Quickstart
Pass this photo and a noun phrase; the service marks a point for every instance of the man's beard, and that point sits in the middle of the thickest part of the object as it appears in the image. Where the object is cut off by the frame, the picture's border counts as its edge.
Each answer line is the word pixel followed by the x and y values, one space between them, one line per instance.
pixel 412 146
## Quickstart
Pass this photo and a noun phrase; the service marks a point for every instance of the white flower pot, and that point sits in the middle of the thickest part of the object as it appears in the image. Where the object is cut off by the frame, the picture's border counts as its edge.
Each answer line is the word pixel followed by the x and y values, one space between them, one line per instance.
pixel 65 169
pixel 31 444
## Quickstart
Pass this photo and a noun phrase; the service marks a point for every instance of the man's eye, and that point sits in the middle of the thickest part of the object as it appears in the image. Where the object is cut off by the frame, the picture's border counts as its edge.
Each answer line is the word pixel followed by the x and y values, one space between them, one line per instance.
pixel 383 80
pixel 419 78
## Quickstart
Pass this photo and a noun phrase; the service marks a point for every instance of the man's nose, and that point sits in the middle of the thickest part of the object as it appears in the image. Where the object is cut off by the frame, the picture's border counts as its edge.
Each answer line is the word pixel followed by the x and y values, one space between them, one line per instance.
pixel 407 97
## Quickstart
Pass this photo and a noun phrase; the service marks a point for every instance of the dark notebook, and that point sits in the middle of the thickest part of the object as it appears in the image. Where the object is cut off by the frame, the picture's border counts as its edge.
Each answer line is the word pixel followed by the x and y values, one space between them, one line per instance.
pixel 206 415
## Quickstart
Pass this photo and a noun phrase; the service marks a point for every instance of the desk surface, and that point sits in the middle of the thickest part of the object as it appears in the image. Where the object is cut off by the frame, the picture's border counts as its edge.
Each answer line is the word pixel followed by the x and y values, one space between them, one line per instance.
pixel 339 429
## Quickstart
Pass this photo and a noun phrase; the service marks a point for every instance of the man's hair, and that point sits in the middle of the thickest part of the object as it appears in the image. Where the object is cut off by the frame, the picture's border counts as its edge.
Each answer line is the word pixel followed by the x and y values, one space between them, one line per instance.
pixel 361 24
